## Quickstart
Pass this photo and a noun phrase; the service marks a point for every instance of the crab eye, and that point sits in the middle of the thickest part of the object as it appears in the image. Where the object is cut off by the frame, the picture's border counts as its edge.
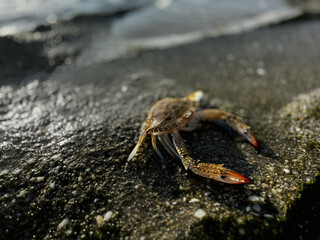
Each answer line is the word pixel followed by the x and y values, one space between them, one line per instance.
pixel 223 177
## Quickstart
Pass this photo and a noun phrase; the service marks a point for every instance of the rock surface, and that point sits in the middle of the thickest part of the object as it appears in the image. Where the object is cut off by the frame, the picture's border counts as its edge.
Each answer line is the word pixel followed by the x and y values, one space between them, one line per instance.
pixel 66 135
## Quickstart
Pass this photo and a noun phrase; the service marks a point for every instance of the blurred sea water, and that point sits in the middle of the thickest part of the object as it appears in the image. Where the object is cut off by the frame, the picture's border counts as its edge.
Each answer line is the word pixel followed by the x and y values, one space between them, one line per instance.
pixel 24 15
pixel 154 23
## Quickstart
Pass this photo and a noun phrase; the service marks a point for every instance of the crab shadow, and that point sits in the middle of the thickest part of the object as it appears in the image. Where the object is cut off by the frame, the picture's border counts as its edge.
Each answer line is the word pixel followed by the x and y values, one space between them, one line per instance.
pixel 267 151
pixel 211 145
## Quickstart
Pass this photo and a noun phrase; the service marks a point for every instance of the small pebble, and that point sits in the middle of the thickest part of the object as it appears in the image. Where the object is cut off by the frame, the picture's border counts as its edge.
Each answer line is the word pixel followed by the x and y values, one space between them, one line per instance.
pixel 230 57
pixel 308 179
pixel 248 208
pixel 268 215
pixel 193 200
pixel 286 170
pixel 256 207
pixel 124 88
pixel 108 216
pixel 56 157
pixel 242 231
pixel 63 223
pixel 261 71
pixel 271 169
pixel 22 193
pixel 200 213
pixel 255 198
pixel 52 185
pixel 40 179
pixel 99 220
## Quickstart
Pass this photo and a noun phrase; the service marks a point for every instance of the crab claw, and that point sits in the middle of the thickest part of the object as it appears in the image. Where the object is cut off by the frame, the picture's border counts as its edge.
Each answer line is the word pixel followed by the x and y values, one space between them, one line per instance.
pixel 219 173
pixel 244 131
pixel 249 136
pixel 234 178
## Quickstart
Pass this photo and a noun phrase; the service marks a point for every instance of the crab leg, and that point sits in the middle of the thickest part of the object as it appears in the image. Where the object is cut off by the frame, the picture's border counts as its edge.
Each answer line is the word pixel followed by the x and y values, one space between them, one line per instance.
pixel 223 118
pixel 134 151
pixel 208 170
pixel 154 145
pixel 165 141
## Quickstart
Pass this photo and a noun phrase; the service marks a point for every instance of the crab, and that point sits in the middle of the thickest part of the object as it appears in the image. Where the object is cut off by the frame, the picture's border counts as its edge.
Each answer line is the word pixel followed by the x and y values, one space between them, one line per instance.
pixel 170 115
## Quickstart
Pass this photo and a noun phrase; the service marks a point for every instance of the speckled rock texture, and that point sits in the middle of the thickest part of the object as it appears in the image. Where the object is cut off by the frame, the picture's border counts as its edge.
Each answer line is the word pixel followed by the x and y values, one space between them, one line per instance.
pixel 66 135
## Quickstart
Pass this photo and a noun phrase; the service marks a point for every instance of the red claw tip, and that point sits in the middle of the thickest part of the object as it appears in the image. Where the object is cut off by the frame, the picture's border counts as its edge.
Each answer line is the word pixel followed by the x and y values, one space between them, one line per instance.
pixel 237 178
pixel 254 143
